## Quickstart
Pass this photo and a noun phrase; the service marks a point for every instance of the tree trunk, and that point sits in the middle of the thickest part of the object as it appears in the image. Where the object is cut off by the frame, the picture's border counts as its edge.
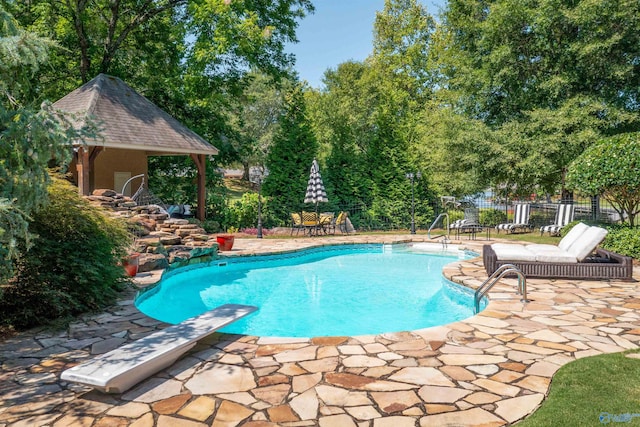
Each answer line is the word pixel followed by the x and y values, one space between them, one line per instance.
pixel 566 196
pixel 85 61
pixel 245 171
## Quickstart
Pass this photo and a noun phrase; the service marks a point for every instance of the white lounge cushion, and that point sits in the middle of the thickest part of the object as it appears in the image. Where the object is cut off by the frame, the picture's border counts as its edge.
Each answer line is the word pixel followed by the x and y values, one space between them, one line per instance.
pixel 587 242
pixel 551 253
pixel 515 252
pixel 573 235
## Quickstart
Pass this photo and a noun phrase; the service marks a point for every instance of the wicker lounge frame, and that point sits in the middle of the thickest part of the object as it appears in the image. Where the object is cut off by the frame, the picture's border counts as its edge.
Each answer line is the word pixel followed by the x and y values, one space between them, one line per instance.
pixel 605 265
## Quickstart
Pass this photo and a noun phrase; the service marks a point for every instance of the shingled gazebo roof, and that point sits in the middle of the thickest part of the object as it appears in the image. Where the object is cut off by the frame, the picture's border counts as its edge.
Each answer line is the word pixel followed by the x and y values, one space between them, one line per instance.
pixel 130 121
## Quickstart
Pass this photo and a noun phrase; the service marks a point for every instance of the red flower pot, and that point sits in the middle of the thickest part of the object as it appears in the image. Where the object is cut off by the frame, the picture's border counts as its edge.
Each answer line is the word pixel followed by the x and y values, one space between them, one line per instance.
pixel 131 264
pixel 225 242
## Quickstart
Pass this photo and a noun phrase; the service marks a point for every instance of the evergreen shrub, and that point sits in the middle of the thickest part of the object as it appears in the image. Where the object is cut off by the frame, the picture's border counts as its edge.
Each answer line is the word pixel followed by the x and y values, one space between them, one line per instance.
pixel 74 265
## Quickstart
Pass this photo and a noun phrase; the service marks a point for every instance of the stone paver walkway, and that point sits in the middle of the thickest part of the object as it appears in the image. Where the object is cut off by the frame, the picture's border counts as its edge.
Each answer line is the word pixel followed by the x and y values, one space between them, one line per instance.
pixel 489 370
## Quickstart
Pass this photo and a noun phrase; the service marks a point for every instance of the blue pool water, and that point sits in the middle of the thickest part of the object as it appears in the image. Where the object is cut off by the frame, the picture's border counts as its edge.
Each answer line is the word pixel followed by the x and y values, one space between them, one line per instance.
pixel 331 291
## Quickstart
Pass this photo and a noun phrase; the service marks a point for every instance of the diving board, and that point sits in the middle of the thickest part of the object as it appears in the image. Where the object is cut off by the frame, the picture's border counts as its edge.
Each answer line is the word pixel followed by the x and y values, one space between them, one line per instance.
pixel 124 367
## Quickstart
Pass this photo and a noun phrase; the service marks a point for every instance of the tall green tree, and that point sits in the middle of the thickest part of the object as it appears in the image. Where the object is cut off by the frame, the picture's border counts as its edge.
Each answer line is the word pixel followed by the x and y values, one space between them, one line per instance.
pixel 256 117
pixel 340 117
pixel 189 57
pixel 403 82
pixel 289 160
pixel 215 37
pixel 367 117
pixel 30 136
pixel 550 76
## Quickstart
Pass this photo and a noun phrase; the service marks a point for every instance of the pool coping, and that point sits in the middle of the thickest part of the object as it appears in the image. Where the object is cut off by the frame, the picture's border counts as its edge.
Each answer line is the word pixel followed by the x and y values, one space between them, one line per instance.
pixel 491 369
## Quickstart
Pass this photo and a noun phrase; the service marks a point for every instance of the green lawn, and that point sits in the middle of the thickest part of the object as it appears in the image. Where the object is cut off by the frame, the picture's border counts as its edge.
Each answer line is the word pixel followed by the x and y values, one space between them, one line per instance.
pixel 237 187
pixel 585 390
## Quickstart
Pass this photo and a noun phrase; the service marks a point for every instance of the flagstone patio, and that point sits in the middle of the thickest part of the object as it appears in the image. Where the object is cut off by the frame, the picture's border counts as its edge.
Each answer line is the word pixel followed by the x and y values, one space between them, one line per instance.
pixel 489 370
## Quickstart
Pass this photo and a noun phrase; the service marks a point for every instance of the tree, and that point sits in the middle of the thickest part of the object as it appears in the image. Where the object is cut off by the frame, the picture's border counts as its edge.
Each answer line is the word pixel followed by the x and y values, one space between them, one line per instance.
pixel 340 116
pixel 549 76
pixel 402 37
pixel 610 168
pixel 256 120
pixel 30 136
pixel 401 80
pixel 294 148
pixel 460 154
pixel 224 36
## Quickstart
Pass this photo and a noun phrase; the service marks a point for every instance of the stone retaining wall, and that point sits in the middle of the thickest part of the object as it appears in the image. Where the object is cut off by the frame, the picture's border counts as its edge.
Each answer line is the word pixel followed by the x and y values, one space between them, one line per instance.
pixel 161 241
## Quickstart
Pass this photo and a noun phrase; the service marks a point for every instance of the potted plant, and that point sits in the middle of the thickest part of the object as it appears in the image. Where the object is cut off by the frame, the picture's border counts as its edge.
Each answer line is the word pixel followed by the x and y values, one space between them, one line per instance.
pixel 225 241
pixel 131 264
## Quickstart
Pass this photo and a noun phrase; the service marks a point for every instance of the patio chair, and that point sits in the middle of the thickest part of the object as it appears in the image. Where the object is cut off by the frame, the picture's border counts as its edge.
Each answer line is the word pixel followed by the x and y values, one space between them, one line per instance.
pixel 296 223
pixel 520 219
pixel 327 223
pixel 341 222
pixel 310 222
pixel 573 258
pixel 564 215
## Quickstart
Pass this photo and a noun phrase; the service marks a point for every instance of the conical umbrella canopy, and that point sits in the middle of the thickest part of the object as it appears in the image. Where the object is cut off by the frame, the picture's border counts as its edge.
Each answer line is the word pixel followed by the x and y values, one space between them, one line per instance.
pixel 315 188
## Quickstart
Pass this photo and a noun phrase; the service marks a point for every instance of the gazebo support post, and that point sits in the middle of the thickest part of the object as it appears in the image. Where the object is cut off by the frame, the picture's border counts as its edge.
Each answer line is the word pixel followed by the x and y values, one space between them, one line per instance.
pixel 199 160
pixel 83 168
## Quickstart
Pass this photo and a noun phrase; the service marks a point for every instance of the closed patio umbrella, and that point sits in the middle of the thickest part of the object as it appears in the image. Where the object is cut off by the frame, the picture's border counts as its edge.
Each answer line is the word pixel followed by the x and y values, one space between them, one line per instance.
pixel 315 188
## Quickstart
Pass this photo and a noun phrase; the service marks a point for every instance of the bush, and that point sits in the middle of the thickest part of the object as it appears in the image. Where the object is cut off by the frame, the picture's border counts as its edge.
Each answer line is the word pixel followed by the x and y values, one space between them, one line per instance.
pixel 624 240
pixel 243 213
pixel 73 265
pixel 211 226
pixel 492 217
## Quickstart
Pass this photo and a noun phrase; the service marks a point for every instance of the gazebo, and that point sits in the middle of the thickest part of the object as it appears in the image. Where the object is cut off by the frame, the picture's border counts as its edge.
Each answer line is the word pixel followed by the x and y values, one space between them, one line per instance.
pixel 132 128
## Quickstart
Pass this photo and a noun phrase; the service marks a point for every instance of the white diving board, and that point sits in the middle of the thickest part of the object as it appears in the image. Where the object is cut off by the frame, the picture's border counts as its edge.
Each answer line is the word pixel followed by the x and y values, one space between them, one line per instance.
pixel 125 366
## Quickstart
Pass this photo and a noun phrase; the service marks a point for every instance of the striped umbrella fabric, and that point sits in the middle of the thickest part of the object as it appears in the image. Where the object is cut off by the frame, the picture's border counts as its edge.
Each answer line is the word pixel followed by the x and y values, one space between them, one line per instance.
pixel 315 188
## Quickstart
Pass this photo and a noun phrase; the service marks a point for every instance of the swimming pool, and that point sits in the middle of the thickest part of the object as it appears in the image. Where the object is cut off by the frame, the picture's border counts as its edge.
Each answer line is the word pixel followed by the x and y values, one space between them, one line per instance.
pixel 341 290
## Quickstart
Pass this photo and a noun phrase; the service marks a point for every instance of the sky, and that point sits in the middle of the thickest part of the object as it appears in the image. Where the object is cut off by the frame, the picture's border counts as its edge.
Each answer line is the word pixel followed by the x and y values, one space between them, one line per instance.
pixel 338 31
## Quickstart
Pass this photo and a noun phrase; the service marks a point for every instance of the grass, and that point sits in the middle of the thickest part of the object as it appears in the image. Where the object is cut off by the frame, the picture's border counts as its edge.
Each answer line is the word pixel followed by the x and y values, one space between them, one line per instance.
pixel 586 389
pixel 237 187
pixel 533 237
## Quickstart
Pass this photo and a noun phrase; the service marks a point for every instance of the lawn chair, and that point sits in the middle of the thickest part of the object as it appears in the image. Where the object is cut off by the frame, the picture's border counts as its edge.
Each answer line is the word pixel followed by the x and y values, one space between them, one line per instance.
pixel 296 223
pixel 520 219
pixel 564 215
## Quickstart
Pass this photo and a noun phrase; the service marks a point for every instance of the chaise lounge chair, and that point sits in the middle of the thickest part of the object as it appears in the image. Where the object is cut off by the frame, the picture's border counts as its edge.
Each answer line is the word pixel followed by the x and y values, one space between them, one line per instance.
pixel 573 258
pixel 520 219
pixel 564 215
pixel 470 223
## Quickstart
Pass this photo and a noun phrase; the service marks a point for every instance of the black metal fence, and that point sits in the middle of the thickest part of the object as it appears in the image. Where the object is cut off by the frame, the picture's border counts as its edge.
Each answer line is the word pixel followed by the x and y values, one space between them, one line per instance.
pixel 491 212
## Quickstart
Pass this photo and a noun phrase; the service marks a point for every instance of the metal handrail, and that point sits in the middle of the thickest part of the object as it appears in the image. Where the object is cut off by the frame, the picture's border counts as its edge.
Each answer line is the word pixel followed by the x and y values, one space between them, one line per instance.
pixel 446 215
pixel 124 187
pixel 502 271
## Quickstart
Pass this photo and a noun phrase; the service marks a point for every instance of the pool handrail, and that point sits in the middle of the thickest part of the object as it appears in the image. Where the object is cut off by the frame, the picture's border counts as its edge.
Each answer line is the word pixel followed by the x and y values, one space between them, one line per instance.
pixel 446 215
pixel 497 275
